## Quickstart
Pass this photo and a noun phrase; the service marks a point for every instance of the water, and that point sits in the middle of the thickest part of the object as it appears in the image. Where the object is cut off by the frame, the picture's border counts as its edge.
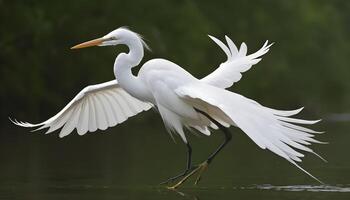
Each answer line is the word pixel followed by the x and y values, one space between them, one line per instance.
pixel 148 192
pixel 128 162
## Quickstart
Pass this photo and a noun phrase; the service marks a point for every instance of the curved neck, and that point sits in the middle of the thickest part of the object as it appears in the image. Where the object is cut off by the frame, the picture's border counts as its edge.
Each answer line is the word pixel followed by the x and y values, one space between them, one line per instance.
pixel 123 65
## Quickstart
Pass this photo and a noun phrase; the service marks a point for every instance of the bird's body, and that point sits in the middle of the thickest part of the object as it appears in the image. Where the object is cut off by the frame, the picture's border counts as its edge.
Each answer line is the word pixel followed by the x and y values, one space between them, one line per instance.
pixel 162 78
pixel 156 83
pixel 182 100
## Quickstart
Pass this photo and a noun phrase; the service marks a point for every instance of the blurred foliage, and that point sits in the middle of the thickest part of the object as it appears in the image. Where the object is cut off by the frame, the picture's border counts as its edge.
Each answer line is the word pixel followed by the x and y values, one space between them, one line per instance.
pixel 308 64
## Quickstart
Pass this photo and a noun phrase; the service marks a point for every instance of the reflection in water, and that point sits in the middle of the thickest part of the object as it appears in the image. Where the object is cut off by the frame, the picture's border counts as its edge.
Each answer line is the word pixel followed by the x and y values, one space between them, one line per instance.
pixel 116 192
pixel 182 194
pixel 298 188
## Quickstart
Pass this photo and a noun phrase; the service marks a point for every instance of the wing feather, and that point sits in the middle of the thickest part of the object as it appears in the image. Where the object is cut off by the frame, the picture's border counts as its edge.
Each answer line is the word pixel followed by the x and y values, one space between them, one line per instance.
pixel 92 115
pixel 60 121
pixel 237 62
pixel 270 129
pixel 222 46
pixel 122 115
pixel 101 120
pixel 116 109
pixel 83 125
pixel 232 46
pixel 123 104
pixel 95 107
pixel 71 123
pixel 112 119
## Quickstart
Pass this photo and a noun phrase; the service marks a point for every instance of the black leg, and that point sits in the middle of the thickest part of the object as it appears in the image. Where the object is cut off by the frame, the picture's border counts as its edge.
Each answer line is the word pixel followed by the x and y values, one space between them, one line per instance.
pixel 228 136
pixel 188 165
pixel 189 156
pixel 199 169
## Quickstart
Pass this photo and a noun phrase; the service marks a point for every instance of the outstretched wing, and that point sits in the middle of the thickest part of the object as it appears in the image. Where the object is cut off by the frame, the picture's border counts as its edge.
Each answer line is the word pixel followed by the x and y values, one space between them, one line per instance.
pixel 271 129
pixel 95 107
pixel 237 62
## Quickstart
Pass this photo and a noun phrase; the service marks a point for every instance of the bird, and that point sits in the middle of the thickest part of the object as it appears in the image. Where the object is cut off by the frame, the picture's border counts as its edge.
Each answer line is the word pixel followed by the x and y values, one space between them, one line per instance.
pixel 184 102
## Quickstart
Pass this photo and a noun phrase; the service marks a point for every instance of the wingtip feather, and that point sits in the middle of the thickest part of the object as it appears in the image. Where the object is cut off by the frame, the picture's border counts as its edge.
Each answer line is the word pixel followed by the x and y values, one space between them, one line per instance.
pixel 11 120
pixel 320 157
pixel 306 172
pixel 270 45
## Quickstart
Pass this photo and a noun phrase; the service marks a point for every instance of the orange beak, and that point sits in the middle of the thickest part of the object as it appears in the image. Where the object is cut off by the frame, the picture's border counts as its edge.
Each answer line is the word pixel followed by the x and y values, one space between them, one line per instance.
pixel 90 43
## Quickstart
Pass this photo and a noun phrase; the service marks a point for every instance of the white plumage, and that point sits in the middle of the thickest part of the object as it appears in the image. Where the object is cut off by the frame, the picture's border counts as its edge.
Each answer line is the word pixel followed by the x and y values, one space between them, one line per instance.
pixel 268 128
pixel 237 62
pixel 178 96
pixel 95 107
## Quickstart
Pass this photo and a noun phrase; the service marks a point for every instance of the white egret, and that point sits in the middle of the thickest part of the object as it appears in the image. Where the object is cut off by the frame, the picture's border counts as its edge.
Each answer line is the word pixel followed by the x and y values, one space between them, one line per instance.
pixel 182 101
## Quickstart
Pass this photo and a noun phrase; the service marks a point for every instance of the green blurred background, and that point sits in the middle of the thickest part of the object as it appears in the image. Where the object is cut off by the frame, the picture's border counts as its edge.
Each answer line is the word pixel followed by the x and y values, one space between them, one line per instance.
pixel 307 66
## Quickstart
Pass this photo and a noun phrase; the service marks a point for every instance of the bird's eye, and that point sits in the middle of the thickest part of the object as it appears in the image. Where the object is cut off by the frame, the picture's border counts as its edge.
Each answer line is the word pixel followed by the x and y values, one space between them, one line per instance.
pixel 113 38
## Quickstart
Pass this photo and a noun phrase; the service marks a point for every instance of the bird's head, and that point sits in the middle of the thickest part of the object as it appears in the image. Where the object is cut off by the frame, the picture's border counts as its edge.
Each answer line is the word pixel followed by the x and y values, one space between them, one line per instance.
pixel 118 36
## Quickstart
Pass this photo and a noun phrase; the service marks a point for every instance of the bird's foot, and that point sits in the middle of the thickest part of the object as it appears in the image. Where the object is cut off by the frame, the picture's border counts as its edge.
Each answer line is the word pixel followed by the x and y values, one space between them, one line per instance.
pixel 198 169
pixel 169 180
pixel 203 167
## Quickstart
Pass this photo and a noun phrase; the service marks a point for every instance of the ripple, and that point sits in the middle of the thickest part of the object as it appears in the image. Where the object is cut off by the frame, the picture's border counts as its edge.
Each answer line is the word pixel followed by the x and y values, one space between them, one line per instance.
pixel 299 188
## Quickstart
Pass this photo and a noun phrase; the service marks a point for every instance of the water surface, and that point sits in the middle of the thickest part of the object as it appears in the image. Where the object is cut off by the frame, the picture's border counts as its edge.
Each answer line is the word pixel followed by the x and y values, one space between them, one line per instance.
pixel 128 163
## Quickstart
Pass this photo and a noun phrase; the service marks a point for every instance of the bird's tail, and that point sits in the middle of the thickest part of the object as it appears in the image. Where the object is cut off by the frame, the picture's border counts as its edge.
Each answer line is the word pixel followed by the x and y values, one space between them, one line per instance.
pixel 269 128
